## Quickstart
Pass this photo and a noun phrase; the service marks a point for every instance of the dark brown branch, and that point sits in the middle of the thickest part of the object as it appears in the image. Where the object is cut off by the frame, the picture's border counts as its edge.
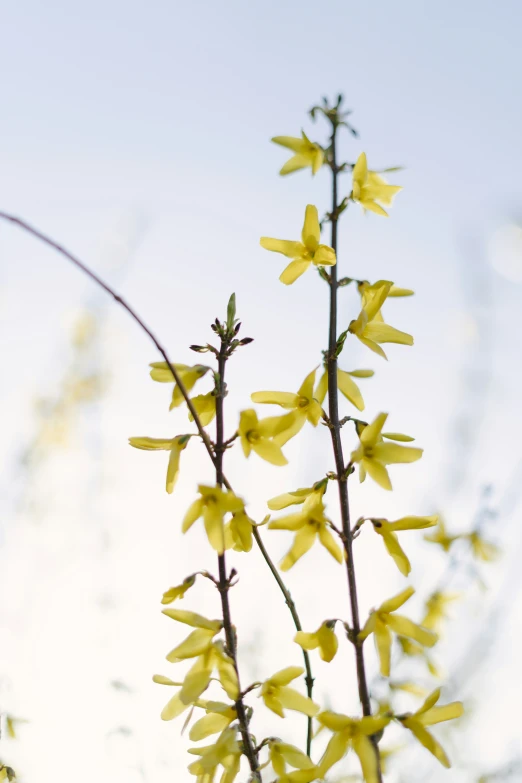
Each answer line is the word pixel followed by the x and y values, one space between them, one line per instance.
pixel 334 427
pixel 224 580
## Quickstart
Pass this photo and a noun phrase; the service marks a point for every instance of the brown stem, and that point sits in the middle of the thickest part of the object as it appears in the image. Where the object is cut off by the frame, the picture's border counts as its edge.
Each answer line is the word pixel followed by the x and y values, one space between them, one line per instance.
pixel 335 432
pixel 224 581
pixel 22 224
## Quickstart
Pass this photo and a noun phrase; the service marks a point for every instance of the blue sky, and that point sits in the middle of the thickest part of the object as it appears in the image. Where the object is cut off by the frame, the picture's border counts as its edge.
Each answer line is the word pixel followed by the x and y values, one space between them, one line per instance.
pixel 126 124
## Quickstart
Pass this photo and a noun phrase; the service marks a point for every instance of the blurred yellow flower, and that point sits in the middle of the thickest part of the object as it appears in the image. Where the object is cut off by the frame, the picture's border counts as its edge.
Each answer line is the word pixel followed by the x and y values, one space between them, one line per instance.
pixel 218 716
pixel 205 405
pixel 174 445
pixel 369 326
pixel 307 153
pixel 436 608
pixel 370 189
pixel 199 640
pixel 277 695
pixel 388 532
pixel 225 752
pixel 173 593
pixel 189 377
pixel 281 753
pixel 238 532
pixel 441 537
pixel 373 454
pixel 351 733
pixel 213 504
pixel 324 639
pixel 428 715
pixel 308 251
pixel 383 621
pixel 482 549
pixel 414 650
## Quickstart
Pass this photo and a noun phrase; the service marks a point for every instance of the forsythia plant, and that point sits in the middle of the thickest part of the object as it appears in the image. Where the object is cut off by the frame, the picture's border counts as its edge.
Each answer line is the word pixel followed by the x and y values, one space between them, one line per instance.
pixel 212 688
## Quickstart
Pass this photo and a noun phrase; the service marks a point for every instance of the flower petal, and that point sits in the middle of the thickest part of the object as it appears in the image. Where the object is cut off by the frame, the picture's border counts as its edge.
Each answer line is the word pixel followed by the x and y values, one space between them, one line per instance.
pixel 284 399
pixel 287 247
pixel 311 234
pixel 406 627
pixel 293 271
pixel 293 700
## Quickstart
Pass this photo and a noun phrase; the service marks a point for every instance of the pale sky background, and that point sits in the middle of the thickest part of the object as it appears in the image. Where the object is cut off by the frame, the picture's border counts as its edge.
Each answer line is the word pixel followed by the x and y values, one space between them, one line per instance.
pixel 138 136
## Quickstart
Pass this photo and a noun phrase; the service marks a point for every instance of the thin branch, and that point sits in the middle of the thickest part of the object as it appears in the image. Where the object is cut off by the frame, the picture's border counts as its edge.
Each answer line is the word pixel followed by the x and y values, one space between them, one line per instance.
pixel 309 679
pixel 22 224
pixel 335 432
pixel 224 580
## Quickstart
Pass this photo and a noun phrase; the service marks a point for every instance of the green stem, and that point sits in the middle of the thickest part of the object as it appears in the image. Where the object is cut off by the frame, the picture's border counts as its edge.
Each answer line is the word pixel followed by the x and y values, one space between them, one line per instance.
pixel 309 679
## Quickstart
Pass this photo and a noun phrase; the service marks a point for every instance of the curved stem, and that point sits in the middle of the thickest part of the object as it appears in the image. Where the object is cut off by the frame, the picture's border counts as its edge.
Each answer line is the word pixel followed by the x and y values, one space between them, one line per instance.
pixel 335 432
pixel 309 679
pixel 22 224
pixel 224 580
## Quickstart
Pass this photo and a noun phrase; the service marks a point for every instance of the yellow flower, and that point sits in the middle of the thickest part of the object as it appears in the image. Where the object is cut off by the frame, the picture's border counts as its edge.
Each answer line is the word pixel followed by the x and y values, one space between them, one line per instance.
pixel 174 445
pixel 197 642
pixel 428 715
pixel 307 153
pixel 373 454
pixel 354 733
pixel 297 497
pixel 346 386
pixel 256 435
pixel 225 752
pixel 436 608
pixel 369 326
pixel 277 695
pixel 482 550
pixel 175 706
pixel 302 407
pixel 281 753
pixel 213 504
pixel 308 523
pixel 383 621
pixel 409 687
pixel 218 716
pixel 413 650
pixel 189 376
pixel 388 532
pixel 367 290
pixel 179 591
pixel 370 189
pixel 7 774
pixel 308 251
pixel 197 679
pixel 238 532
pixel 441 537
pixel 324 638
pixel 205 405
pixel 386 754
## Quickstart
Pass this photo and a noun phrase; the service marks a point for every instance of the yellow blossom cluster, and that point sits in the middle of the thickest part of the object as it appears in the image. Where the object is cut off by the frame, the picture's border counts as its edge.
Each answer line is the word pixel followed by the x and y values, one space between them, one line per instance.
pixel 211 646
